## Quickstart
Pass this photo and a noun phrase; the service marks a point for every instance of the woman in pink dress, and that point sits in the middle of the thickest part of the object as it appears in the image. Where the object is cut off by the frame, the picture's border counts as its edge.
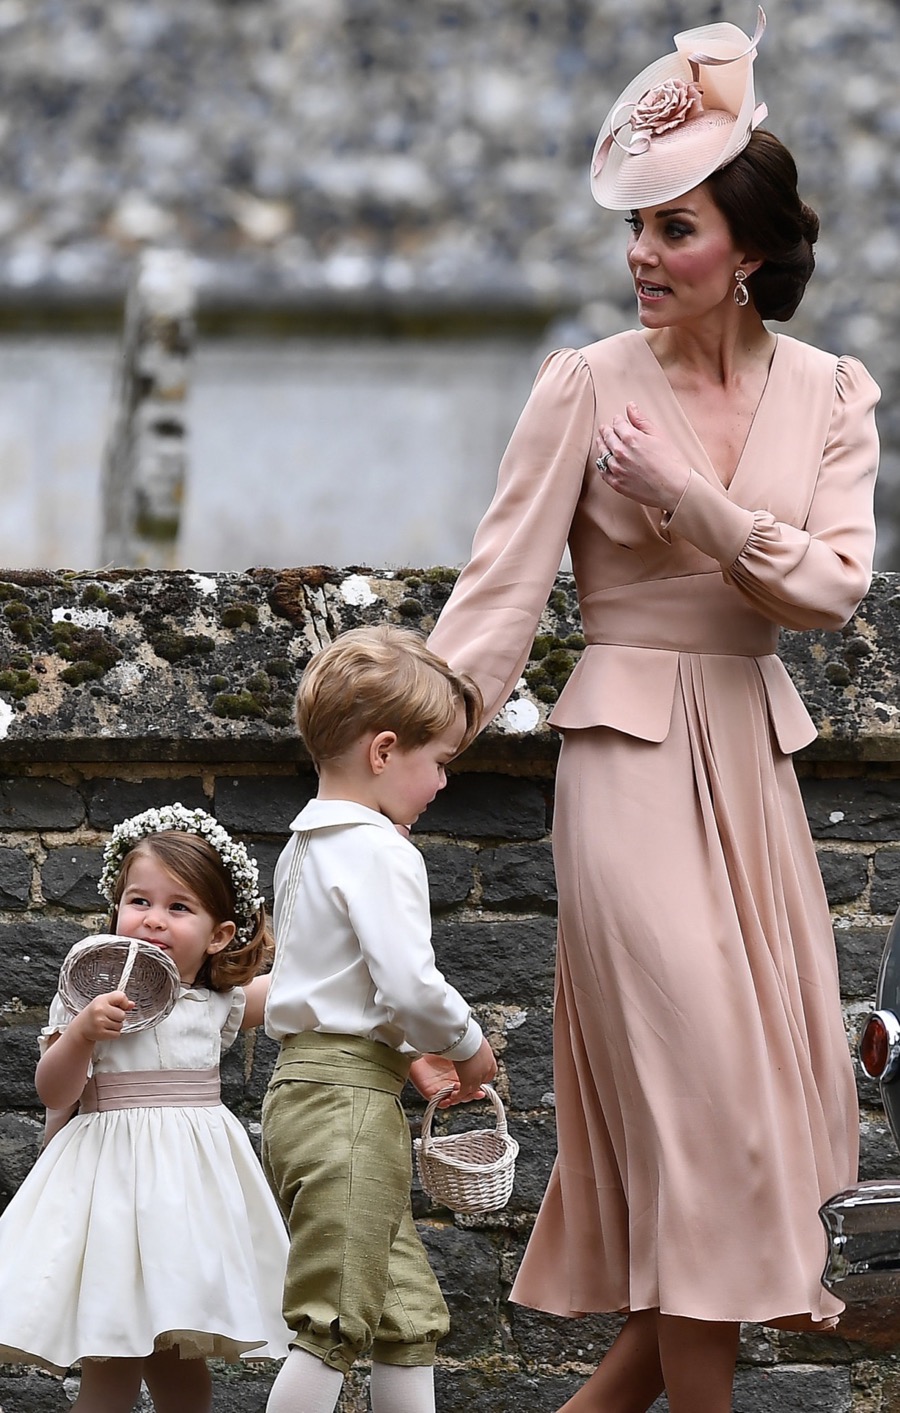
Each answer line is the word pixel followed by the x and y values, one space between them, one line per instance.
pixel 713 480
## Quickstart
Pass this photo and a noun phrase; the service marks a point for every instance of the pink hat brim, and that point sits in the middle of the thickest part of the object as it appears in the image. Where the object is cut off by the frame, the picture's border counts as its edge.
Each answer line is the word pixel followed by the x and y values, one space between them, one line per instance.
pixel 677 161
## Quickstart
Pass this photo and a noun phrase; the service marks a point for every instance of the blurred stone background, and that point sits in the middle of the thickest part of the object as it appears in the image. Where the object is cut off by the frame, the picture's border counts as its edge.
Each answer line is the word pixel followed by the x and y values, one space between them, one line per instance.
pixel 387 212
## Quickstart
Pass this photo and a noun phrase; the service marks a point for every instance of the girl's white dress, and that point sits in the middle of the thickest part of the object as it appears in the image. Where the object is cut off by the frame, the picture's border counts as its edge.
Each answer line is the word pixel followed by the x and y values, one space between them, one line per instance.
pixel 139 1229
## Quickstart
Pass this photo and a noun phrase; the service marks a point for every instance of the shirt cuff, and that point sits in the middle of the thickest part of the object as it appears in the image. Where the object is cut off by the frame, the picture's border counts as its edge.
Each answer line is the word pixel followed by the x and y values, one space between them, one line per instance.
pixel 466 1044
pixel 706 518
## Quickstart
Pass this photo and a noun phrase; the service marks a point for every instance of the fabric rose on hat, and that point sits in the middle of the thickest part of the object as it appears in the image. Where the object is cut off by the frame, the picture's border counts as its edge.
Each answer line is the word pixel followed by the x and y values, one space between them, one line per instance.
pixel 666 106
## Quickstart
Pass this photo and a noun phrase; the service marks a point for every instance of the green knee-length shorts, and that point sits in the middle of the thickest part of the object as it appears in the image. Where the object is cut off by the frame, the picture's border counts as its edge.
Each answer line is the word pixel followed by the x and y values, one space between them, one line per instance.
pixel 336 1151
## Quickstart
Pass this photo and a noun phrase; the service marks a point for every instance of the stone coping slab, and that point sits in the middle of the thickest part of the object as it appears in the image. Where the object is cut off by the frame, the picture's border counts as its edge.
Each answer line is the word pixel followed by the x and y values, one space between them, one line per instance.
pixel 119 664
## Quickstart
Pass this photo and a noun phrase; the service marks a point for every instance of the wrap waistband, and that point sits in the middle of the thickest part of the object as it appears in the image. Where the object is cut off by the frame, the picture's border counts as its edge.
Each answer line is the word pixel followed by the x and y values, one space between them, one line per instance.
pixel 695 613
pixel 151 1089
pixel 327 1058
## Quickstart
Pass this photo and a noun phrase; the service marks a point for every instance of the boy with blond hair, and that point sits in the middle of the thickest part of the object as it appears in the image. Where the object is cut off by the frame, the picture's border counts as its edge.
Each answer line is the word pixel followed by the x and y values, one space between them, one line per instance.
pixel 358 1005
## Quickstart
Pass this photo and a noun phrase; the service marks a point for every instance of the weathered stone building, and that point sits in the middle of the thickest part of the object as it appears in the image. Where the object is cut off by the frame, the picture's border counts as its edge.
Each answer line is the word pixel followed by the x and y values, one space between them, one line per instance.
pixel 388 210
pixel 124 690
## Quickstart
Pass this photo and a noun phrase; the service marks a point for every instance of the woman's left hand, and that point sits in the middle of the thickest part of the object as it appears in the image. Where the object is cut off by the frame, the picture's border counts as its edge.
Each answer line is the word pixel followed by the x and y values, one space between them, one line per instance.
pixel 638 463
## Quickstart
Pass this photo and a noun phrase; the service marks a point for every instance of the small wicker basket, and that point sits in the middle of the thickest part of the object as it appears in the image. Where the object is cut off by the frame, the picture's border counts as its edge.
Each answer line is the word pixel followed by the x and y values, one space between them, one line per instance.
pixel 471 1171
pixel 106 963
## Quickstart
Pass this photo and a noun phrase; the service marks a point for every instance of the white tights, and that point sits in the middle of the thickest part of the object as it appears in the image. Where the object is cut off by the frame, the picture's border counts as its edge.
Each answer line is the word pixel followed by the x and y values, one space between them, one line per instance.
pixel 397 1388
pixel 306 1385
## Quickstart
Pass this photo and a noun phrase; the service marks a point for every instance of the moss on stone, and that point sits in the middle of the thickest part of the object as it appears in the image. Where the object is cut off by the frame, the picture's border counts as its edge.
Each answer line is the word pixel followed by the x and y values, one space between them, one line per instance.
pixel 258 684
pixel 440 574
pixel 838 674
pixel 236 614
pixel 217 683
pixel 18 684
pixel 237 705
pixel 20 620
pixel 410 608
pixel 96 596
pixel 173 645
pixel 89 651
pixel 279 667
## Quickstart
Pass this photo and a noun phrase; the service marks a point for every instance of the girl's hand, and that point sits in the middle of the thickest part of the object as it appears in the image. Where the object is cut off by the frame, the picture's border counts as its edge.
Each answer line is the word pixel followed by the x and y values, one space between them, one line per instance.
pixel 642 466
pixel 102 1018
pixel 432 1073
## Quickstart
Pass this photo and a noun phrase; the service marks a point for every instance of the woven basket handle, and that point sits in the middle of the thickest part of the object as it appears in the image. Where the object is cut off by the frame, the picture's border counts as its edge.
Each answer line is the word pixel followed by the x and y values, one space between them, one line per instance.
pixel 127 969
pixel 489 1093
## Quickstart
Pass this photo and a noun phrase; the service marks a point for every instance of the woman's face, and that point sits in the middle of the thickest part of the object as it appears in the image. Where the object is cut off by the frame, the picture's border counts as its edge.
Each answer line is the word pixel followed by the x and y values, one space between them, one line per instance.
pixel 682 259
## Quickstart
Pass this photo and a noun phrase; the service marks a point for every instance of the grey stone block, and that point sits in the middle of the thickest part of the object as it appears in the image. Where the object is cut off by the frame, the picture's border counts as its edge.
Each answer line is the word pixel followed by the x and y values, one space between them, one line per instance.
pixel 468 1271
pixel 885 893
pixel 878 1156
pixel 15 879
pixel 266 854
pixel 844 875
pixel 265 1053
pixel 518 876
pixel 20 1143
pixel 450 872
pixel 255 804
pixel 24 1390
pixel 859 957
pixel 112 800
pixel 69 876
pixel 488 806
pixel 39 803
pixel 32 951
pixel 231 1069
pixel 495 1389
pixel 804 1389
pixel 560 1340
pixel 499 961
pixel 529 1060
pixel 853 809
pixel 19 1055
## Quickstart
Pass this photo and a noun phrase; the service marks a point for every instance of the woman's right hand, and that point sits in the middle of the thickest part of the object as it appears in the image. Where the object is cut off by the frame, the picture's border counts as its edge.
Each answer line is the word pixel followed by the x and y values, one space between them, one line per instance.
pixel 102 1018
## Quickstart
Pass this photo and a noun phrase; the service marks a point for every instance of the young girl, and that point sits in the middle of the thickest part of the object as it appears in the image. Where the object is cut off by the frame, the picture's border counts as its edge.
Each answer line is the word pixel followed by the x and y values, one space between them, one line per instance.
pixel 145 1237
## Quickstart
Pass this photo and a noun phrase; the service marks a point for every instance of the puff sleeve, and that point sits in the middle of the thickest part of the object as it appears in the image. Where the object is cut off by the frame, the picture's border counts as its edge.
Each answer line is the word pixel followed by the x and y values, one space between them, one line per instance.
pixel 812 576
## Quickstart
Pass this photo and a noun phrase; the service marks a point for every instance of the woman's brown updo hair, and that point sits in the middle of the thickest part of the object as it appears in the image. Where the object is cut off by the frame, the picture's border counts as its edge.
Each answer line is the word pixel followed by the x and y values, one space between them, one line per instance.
pixel 757 194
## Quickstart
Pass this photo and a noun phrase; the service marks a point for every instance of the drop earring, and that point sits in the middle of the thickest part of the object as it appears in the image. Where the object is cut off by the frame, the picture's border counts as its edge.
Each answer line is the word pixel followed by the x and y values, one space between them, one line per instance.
pixel 741 294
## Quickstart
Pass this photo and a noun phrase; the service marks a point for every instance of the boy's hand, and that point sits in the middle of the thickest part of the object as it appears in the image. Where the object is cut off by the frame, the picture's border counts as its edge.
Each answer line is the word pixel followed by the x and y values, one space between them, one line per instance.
pixel 473 1073
pixel 432 1073
pixel 102 1018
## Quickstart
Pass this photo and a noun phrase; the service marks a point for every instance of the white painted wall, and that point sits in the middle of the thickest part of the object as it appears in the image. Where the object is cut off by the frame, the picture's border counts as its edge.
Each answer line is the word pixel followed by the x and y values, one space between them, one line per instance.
pixel 302 451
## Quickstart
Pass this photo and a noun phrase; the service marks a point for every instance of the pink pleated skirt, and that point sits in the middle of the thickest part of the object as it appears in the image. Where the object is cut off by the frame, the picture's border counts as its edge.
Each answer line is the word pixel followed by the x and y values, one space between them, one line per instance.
pixel 705 1097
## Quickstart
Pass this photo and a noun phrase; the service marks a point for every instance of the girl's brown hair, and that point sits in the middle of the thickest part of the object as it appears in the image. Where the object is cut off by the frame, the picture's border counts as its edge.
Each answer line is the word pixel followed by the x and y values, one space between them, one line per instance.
pixel 381 679
pixel 196 864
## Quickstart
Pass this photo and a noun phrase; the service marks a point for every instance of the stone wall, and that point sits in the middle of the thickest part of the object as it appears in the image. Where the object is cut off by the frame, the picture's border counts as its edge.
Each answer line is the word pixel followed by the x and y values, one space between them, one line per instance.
pixel 126 690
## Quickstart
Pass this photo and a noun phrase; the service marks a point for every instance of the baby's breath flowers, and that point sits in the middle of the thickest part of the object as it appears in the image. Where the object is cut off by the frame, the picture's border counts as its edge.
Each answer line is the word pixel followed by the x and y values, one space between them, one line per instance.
pixel 241 866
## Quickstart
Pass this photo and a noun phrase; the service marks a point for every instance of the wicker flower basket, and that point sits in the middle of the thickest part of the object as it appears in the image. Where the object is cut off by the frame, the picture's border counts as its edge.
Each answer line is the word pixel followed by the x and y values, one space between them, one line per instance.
pixel 144 972
pixel 468 1172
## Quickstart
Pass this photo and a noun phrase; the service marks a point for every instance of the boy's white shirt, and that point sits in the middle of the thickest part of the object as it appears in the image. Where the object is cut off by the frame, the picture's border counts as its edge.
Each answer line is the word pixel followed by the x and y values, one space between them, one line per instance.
pixel 357 957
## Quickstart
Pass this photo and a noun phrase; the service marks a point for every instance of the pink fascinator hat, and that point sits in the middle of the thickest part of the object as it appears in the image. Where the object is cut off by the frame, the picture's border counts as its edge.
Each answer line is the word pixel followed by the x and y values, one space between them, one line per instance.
pixel 682 118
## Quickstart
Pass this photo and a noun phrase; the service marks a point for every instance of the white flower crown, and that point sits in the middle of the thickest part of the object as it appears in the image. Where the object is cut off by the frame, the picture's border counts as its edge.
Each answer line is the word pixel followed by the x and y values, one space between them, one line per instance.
pixel 242 868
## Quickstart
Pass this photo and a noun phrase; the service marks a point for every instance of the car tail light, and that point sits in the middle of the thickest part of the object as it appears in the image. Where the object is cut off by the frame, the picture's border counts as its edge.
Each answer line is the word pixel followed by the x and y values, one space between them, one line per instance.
pixel 879 1046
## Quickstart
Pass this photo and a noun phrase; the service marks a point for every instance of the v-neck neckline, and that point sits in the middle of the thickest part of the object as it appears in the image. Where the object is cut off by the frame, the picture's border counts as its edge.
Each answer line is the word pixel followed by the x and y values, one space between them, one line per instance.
pixel 710 471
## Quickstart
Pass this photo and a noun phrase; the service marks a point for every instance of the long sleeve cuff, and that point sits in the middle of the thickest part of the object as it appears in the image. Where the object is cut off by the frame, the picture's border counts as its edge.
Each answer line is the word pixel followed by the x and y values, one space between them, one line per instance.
pixel 706 518
pixel 467 1044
